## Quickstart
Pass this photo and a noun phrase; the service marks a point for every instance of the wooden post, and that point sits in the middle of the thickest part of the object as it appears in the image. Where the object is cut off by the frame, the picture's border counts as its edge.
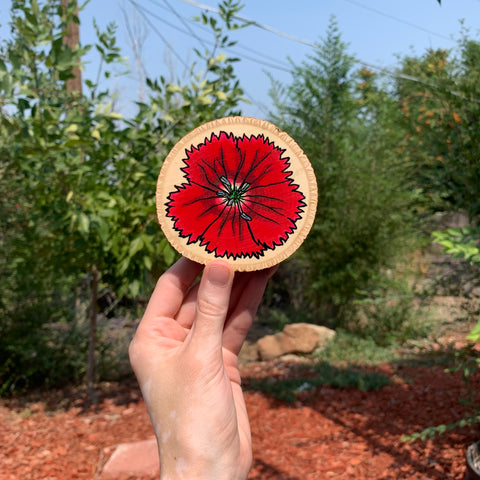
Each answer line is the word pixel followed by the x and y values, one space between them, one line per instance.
pixel 72 39
pixel 90 376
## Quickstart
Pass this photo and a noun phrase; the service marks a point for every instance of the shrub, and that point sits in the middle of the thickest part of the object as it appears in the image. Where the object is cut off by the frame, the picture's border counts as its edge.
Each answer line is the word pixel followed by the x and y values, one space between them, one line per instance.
pixel 347 127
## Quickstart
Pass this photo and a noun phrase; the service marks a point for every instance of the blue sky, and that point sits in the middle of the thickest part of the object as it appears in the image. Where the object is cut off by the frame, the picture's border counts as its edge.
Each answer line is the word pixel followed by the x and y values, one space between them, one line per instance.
pixel 376 31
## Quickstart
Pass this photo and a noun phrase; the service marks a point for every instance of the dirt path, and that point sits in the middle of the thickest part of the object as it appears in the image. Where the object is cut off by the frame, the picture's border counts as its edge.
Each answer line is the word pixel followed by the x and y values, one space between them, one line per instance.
pixel 326 433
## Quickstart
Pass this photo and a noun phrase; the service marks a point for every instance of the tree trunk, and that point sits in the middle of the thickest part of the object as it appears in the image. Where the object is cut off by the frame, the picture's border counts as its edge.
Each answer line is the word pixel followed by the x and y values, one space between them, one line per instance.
pixel 90 376
pixel 72 39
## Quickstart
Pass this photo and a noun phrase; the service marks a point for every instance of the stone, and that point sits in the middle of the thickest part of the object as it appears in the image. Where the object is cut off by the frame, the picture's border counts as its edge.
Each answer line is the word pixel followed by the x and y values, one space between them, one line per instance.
pixel 294 338
pixel 325 335
pixel 131 459
pixel 269 347
pixel 476 292
pixel 248 353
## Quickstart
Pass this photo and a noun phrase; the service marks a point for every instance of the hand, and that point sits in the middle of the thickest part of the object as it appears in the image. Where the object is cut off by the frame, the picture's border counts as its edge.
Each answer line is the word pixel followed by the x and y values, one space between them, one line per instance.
pixel 184 355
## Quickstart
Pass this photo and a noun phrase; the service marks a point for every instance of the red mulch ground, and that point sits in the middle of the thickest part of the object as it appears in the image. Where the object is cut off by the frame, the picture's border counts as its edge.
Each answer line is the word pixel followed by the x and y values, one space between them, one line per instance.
pixel 326 433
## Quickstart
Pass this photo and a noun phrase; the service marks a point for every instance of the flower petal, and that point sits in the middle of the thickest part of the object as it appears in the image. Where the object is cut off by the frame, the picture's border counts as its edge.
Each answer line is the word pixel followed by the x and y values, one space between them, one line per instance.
pixel 274 219
pixel 211 160
pixel 273 200
pixel 239 199
pixel 193 208
pixel 231 236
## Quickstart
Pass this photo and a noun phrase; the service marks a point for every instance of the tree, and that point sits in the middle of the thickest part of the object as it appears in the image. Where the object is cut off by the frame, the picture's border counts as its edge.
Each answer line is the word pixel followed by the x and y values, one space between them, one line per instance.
pixel 72 40
pixel 345 124
pixel 79 179
pixel 440 112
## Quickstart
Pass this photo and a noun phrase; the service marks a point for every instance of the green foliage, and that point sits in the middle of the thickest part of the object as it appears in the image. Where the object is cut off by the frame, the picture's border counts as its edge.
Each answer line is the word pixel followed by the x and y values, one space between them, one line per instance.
pixel 474 334
pixel 77 183
pixel 432 432
pixel 466 362
pixel 349 348
pixel 78 180
pixel 461 243
pixel 387 316
pixel 346 124
pixel 440 112
pixel 37 346
pixel 325 374
pixel 424 116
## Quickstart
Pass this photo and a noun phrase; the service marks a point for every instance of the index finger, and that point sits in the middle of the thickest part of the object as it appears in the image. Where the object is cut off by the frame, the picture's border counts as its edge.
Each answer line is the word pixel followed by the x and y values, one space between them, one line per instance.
pixel 171 288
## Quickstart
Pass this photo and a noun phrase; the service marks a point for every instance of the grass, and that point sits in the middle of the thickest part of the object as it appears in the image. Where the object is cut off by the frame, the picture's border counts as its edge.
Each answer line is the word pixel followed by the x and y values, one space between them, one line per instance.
pixel 342 364
pixel 324 374
pixel 348 348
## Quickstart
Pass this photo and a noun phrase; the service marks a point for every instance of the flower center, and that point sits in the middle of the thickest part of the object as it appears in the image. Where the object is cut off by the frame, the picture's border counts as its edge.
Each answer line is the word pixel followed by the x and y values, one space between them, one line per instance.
pixel 234 195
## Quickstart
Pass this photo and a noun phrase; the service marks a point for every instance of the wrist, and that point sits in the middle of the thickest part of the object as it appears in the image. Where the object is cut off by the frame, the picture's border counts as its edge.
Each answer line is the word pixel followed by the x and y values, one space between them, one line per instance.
pixel 193 474
pixel 178 468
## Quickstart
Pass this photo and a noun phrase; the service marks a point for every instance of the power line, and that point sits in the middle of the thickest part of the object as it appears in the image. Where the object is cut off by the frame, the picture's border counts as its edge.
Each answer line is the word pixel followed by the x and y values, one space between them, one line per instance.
pixel 155 29
pixel 277 65
pixel 253 22
pixel 142 11
pixel 158 17
pixel 314 45
pixel 385 71
pixel 161 19
pixel 184 23
pixel 261 62
pixel 392 17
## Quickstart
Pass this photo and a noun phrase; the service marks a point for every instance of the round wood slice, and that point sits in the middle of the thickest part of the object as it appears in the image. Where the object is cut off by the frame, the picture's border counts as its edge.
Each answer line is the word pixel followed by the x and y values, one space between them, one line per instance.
pixel 237 188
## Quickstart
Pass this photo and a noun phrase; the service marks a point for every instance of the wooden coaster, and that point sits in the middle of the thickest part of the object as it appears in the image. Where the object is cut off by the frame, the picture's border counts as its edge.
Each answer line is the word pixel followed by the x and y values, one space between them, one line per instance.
pixel 239 189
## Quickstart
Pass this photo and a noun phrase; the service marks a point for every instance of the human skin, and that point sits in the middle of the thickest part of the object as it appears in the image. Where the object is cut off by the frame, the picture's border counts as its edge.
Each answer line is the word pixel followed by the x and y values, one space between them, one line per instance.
pixel 185 357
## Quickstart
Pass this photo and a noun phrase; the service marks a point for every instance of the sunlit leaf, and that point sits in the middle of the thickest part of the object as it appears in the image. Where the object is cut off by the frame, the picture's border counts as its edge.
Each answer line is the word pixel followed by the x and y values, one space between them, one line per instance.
pixel 474 335
pixel 83 223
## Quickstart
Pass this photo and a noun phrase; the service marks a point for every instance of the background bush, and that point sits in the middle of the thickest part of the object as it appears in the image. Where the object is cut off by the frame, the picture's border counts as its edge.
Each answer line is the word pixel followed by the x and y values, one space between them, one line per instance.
pixel 347 127
pixel 79 234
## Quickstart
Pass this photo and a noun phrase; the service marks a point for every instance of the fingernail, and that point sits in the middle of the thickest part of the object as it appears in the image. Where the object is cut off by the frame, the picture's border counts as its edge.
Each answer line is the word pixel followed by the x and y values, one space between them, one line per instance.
pixel 218 275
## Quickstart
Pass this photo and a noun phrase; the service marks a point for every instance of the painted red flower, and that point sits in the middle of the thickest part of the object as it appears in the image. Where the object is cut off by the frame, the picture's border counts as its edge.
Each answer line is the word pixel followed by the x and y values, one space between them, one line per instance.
pixel 239 198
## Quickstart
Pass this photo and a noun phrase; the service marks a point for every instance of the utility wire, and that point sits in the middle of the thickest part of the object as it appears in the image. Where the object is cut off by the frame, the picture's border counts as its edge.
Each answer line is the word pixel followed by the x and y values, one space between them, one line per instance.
pixel 253 22
pixel 262 62
pixel 142 11
pixel 392 17
pixel 155 29
pixel 314 45
pixel 160 19
pixel 184 21
pixel 277 65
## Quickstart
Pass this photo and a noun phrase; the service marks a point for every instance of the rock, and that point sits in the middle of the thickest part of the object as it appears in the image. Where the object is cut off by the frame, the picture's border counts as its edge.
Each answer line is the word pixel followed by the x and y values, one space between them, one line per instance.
pixel 476 292
pixel 248 353
pixel 444 220
pixel 269 347
pixel 133 459
pixel 295 338
pixel 325 336
pixel 295 359
pixel 468 288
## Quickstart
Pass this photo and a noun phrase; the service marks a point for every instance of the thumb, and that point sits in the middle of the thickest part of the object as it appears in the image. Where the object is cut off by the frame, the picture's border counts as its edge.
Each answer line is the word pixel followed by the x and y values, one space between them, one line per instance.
pixel 213 301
